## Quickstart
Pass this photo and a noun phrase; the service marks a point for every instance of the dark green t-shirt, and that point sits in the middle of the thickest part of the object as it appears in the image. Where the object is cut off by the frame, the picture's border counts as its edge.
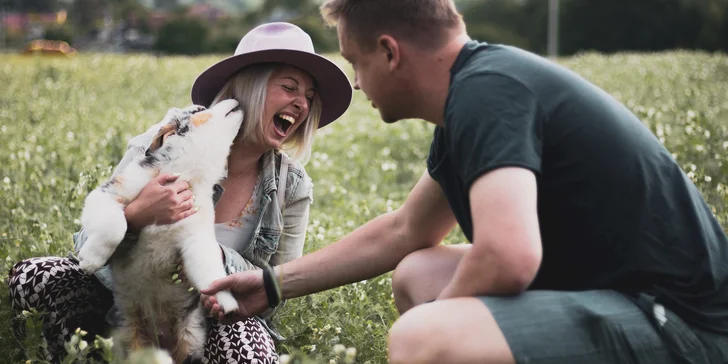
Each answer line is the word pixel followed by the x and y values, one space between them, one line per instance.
pixel 615 210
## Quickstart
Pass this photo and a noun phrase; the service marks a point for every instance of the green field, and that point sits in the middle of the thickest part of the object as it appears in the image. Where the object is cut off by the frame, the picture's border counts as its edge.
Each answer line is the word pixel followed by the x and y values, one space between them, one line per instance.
pixel 64 124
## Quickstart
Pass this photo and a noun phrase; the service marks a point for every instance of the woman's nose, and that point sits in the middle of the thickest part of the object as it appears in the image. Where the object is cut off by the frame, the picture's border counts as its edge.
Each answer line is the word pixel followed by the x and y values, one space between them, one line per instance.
pixel 300 103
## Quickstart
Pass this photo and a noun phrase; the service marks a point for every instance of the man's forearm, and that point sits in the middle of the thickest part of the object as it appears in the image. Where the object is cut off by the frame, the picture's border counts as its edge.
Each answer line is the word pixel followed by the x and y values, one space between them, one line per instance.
pixel 483 272
pixel 371 250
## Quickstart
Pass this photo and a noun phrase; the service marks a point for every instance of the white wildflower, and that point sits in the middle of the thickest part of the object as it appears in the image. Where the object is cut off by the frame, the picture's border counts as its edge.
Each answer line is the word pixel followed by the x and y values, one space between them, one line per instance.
pixel 351 353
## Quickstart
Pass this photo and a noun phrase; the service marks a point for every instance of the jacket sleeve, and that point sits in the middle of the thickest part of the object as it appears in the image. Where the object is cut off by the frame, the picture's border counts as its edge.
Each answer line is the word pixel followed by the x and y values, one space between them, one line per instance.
pixel 234 262
pixel 296 211
pixel 136 147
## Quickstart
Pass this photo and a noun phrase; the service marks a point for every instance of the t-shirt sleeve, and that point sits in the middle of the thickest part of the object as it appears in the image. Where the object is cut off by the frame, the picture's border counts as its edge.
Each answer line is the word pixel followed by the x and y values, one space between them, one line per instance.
pixel 492 121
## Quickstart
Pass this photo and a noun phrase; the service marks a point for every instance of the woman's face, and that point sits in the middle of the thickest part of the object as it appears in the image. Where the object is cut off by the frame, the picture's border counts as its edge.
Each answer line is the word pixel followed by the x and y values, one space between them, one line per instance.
pixel 288 99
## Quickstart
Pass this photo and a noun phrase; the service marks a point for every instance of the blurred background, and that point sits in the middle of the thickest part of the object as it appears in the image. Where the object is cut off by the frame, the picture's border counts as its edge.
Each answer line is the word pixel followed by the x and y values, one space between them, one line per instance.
pixel 553 27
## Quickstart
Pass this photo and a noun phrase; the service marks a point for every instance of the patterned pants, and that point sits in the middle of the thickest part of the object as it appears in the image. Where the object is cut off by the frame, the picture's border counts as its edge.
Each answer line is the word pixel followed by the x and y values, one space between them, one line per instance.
pixel 71 299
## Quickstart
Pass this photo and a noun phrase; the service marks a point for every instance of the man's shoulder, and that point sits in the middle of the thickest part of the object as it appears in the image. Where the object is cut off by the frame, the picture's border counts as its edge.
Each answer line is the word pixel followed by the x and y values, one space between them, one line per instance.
pixel 484 58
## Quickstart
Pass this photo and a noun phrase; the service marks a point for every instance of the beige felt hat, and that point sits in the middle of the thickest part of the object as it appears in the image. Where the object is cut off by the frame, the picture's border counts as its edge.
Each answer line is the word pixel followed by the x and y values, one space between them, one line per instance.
pixel 283 43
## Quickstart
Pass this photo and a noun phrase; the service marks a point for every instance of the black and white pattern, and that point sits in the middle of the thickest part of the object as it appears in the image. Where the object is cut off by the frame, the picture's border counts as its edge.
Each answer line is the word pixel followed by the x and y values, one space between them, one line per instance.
pixel 71 299
pixel 243 342
pixel 68 298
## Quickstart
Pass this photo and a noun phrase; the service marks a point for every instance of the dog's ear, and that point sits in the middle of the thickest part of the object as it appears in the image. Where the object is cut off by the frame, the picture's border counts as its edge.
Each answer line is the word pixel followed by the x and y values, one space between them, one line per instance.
pixel 178 124
pixel 164 132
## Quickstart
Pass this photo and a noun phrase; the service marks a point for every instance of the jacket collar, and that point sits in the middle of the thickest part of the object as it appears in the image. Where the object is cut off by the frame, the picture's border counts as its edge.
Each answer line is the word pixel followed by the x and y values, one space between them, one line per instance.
pixel 270 176
pixel 269 171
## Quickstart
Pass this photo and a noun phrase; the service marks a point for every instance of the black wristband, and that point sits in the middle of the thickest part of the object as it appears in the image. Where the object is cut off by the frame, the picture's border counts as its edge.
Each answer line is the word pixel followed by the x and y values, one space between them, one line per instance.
pixel 272 290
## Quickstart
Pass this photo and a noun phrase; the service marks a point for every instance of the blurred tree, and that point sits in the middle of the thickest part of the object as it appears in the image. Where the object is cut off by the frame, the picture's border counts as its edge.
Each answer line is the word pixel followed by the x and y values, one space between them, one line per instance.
pixel 610 26
pixel 86 15
pixel 713 33
pixel 495 21
pixel 606 26
pixel 63 33
pixel 30 6
pixel 182 36
pixel 166 4
pixel 133 14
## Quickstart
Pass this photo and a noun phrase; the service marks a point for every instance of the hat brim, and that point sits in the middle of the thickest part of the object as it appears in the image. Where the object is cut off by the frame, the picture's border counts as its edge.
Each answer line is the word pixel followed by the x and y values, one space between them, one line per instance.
pixel 332 84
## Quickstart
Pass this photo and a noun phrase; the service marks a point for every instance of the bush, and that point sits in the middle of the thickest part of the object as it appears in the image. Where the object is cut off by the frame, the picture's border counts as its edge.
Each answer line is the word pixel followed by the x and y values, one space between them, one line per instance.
pixel 182 36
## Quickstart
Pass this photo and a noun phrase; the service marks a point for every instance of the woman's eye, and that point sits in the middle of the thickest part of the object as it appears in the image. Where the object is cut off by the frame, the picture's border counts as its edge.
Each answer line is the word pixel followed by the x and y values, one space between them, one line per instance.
pixel 288 88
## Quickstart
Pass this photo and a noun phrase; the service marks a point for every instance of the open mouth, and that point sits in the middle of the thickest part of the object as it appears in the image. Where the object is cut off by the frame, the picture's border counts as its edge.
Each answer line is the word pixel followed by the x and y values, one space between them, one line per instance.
pixel 282 123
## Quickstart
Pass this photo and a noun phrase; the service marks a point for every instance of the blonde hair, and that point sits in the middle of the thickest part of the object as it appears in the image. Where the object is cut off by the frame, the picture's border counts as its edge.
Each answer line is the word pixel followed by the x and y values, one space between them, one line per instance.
pixel 249 87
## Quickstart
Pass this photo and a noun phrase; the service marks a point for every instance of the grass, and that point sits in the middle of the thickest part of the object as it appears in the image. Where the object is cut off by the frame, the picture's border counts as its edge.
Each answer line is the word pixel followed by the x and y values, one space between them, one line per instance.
pixel 64 124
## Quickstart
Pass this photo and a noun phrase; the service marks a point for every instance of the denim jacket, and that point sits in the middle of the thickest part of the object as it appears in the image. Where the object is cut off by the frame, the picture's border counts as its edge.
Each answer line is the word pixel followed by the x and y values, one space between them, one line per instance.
pixel 280 231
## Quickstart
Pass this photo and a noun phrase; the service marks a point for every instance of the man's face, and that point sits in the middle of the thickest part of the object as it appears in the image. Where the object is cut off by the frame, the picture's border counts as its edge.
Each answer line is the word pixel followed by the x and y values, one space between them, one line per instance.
pixel 373 76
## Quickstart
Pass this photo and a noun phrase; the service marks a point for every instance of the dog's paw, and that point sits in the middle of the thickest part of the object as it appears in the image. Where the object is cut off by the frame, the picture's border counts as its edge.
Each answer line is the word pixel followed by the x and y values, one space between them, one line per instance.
pixel 227 301
pixel 89 262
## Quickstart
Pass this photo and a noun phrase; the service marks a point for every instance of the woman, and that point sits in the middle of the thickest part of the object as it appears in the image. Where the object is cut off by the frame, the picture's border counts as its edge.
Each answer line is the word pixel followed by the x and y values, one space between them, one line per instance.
pixel 286 92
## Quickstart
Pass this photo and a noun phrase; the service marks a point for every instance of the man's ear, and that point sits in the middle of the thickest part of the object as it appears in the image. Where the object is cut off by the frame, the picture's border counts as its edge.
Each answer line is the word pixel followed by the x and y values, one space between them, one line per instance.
pixel 391 49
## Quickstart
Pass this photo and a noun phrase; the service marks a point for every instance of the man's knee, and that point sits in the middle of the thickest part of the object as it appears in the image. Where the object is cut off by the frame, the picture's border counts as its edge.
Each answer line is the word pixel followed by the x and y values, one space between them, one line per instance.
pixel 403 274
pixel 408 271
pixel 459 330
pixel 415 339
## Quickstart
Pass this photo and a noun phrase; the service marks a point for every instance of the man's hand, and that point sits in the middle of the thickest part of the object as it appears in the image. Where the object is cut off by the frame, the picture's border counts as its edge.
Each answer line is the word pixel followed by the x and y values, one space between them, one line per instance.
pixel 247 287
pixel 164 200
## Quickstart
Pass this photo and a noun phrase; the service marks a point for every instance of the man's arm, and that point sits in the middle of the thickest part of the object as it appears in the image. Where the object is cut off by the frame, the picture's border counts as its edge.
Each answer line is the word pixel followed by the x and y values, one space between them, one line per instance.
pixel 506 251
pixel 374 248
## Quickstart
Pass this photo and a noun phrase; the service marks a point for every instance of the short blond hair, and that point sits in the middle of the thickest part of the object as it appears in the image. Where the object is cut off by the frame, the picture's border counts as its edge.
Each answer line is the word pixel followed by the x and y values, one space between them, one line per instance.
pixel 249 87
pixel 423 22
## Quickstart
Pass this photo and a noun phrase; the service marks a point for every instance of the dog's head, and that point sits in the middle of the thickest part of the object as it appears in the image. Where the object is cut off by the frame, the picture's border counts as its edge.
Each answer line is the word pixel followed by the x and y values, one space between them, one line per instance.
pixel 195 134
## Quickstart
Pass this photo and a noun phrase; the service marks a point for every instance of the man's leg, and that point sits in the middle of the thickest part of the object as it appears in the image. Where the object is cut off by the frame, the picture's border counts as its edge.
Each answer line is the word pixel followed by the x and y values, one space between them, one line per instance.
pixel 540 327
pixel 422 275
pixel 453 331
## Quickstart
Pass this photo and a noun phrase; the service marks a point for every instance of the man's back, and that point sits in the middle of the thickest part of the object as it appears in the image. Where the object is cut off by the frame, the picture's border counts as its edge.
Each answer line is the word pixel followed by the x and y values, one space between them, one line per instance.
pixel 615 210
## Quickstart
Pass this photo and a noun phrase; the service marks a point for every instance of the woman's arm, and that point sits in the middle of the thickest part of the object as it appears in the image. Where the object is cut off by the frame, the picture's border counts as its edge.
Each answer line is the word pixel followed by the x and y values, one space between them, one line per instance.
pixel 234 262
pixel 164 200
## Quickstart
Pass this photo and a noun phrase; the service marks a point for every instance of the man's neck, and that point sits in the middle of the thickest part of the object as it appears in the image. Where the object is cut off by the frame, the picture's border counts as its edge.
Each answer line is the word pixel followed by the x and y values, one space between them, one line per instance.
pixel 433 81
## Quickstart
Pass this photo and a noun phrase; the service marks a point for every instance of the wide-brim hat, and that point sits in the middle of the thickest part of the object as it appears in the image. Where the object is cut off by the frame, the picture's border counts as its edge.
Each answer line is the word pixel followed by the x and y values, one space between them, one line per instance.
pixel 283 43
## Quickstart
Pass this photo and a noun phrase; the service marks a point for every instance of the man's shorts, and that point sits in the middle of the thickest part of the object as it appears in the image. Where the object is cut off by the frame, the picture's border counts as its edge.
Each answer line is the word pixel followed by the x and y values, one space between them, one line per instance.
pixel 544 327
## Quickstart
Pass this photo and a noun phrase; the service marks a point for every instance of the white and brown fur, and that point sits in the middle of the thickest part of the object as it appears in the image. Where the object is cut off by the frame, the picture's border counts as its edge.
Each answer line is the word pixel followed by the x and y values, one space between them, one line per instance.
pixel 194 143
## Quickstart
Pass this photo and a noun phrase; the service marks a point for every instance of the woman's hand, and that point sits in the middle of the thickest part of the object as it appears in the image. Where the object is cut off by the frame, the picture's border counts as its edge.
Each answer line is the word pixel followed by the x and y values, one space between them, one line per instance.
pixel 164 200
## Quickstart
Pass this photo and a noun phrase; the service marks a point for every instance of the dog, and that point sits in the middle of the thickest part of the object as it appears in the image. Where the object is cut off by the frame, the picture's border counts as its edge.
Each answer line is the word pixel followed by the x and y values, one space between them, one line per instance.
pixel 193 142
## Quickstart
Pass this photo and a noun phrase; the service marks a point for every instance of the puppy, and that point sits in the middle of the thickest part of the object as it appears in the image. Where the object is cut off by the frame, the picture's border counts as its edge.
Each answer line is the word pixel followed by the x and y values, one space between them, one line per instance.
pixel 195 143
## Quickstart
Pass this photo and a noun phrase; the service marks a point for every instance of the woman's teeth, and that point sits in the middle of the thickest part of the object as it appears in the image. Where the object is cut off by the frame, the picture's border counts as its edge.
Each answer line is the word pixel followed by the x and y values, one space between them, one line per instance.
pixel 287 118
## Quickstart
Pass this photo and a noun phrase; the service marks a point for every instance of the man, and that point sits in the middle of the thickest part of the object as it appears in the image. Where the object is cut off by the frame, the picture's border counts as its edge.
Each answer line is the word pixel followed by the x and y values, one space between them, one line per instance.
pixel 587 242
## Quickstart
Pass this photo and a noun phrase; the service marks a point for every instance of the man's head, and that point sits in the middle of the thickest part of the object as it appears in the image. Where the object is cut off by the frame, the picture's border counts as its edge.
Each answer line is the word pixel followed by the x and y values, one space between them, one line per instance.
pixel 382 38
